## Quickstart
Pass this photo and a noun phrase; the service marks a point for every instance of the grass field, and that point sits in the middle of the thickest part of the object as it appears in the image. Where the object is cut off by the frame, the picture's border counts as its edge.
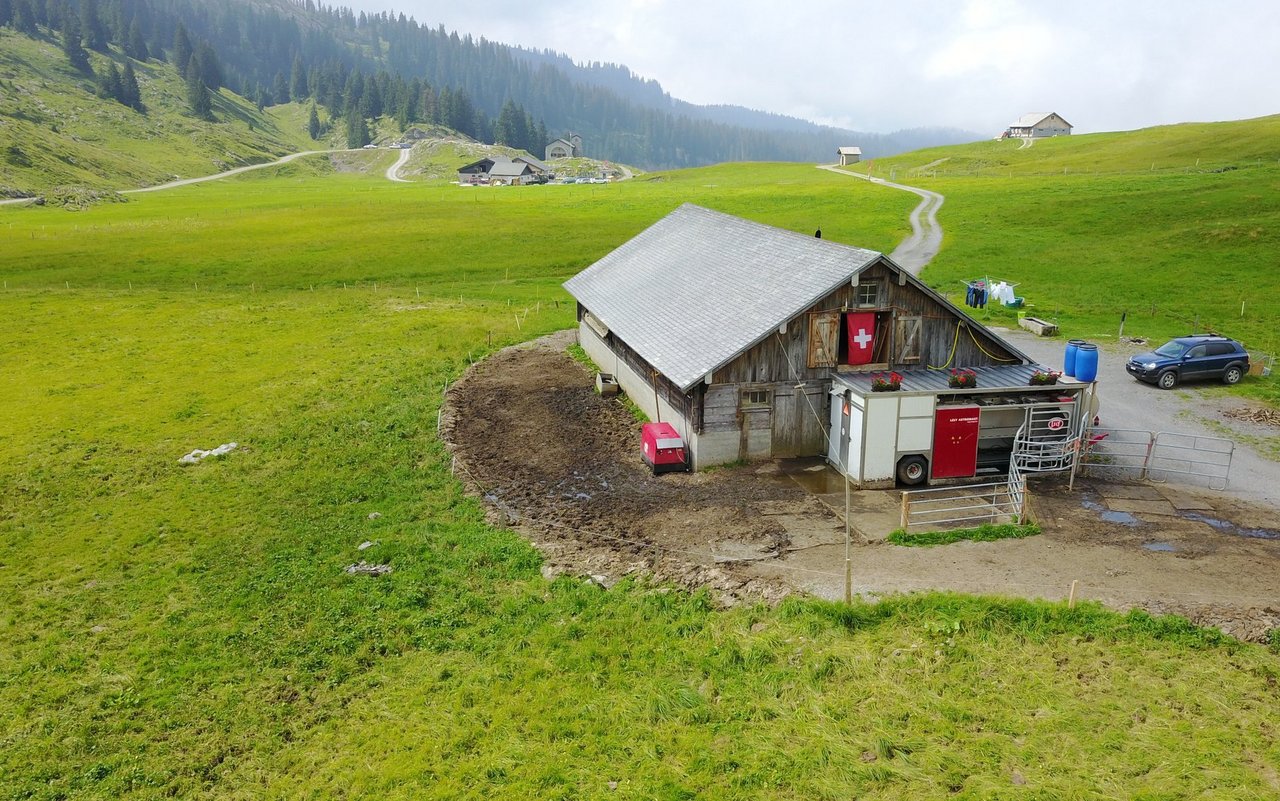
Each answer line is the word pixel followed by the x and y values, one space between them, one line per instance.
pixel 1175 226
pixel 189 632
pixel 57 132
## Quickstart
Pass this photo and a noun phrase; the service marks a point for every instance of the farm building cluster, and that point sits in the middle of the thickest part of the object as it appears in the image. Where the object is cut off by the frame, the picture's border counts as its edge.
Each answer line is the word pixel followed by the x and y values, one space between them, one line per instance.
pixel 754 342
pixel 522 169
pixel 502 171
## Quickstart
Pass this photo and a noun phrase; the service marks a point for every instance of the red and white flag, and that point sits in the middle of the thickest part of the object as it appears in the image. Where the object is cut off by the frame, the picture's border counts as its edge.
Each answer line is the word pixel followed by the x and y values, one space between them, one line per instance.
pixel 862 336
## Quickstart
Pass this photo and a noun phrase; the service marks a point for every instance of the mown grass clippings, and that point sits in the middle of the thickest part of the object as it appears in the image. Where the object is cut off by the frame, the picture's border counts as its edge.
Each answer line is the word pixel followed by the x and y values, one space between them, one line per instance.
pixel 987 532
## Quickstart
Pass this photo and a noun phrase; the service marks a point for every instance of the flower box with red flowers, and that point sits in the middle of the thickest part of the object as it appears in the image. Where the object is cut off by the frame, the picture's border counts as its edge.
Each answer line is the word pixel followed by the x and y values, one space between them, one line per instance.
pixel 886 382
pixel 962 379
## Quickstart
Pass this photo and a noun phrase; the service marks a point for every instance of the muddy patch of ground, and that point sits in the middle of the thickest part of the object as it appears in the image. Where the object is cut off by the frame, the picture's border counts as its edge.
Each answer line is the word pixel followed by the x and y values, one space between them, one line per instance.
pixel 561 465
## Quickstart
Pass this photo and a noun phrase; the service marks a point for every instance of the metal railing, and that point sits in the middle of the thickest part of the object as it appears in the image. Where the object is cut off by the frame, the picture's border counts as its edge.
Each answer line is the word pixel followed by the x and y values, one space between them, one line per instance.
pixel 963 505
pixel 1155 456
pixel 1208 458
pixel 1119 452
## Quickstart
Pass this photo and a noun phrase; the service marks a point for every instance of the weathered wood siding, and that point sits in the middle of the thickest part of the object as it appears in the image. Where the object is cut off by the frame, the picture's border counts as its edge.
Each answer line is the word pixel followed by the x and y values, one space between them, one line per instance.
pixel 665 389
pixel 914 330
pixel 937 328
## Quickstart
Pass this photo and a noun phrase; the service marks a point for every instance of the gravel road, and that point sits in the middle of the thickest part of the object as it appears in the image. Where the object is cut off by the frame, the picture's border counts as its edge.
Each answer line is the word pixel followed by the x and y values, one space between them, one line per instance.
pixel 1126 404
pixel 229 173
pixel 393 172
pixel 1190 409
pixel 918 249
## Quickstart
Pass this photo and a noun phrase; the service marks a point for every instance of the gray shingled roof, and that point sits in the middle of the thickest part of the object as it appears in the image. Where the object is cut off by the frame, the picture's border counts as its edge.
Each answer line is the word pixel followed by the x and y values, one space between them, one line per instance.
pixel 537 164
pixel 1033 119
pixel 697 288
pixel 508 169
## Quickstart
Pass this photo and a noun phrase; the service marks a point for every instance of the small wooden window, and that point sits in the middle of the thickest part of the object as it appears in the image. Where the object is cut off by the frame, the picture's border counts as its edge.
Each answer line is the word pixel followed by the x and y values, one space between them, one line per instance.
pixel 755 398
pixel 868 295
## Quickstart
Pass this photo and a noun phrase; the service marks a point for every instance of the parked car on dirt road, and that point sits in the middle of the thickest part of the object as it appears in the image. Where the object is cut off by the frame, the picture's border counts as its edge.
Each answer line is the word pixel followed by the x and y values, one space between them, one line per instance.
pixel 1191 358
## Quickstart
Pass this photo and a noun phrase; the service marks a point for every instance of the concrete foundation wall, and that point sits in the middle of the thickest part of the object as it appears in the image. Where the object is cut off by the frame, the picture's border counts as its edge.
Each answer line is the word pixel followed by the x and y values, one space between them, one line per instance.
pixel 638 390
pixel 710 449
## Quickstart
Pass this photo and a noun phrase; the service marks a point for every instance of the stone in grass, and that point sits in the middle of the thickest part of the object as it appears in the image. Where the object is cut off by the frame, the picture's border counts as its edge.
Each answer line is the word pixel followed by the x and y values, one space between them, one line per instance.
pixel 375 515
pixel 363 568
pixel 366 545
pixel 550 572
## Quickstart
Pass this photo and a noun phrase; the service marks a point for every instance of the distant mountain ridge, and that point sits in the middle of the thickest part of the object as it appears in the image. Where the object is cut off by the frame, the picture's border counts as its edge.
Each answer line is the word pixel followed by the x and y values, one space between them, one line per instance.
pixel 649 93
pixel 361 67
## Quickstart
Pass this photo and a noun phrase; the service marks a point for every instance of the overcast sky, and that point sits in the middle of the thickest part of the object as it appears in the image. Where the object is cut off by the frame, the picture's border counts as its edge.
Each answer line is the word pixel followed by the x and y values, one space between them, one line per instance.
pixel 1104 65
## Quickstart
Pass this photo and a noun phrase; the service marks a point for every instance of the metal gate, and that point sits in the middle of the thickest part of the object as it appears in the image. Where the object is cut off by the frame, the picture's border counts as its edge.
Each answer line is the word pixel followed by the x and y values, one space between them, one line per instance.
pixel 1208 458
pixel 1117 452
pixel 963 505
pixel 1133 454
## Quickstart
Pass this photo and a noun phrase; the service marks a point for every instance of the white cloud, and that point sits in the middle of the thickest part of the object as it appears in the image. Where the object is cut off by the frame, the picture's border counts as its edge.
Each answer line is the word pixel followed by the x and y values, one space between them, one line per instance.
pixel 1103 64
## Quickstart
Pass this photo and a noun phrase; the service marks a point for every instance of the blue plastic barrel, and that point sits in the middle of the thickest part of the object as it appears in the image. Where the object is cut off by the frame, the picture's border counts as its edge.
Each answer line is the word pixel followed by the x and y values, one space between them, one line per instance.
pixel 1087 362
pixel 1069 358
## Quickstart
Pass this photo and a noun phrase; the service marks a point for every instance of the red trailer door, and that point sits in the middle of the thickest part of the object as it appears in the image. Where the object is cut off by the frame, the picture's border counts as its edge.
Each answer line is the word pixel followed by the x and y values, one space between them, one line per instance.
pixel 955 442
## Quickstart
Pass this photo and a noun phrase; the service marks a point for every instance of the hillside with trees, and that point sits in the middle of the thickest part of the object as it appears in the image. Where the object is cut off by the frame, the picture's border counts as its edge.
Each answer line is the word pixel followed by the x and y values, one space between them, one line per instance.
pixel 358 67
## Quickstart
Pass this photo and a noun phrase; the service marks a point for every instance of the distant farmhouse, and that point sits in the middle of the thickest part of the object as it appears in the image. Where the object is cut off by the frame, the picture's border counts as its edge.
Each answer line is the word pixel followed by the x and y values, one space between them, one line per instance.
pixel 849 155
pixel 565 148
pixel 503 171
pixel 1039 124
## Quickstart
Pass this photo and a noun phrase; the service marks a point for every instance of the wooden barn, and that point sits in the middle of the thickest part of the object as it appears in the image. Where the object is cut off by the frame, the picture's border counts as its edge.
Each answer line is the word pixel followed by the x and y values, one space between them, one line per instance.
pixel 733 331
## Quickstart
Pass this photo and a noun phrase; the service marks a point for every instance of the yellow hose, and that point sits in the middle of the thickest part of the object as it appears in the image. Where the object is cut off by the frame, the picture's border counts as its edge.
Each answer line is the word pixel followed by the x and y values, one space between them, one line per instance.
pixel 984 350
pixel 954 342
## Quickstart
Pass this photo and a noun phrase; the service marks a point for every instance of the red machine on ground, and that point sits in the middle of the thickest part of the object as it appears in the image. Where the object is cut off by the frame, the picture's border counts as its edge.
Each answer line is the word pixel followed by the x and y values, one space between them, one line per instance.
pixel 663 448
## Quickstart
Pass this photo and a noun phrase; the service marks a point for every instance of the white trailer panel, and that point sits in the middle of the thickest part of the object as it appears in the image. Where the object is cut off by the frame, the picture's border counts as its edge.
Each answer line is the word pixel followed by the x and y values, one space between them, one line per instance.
pixel 880 455
pixel 915 434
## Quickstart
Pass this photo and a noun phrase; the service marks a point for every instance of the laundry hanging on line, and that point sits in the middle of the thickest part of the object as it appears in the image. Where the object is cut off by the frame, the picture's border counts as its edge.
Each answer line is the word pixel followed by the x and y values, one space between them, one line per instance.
pixel 975 297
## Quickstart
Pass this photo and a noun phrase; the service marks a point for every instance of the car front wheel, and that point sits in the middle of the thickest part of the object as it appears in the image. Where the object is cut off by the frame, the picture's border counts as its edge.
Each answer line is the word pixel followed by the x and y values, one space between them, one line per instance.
pixel 1167 380
pixel 1232 375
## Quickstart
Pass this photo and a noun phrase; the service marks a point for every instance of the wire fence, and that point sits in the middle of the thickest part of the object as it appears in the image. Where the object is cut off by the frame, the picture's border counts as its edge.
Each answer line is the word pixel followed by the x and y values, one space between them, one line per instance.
pixel 980 169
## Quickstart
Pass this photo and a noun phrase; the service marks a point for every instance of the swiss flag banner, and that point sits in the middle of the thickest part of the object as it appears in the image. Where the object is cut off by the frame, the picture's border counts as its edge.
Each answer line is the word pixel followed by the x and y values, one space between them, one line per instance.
pixel 862 336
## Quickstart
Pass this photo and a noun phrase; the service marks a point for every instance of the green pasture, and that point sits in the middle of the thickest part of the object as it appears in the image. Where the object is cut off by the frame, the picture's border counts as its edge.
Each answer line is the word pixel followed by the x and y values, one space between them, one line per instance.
pixel 1089 231
pixel 189 632
pixel 303 224
pixel 1167 149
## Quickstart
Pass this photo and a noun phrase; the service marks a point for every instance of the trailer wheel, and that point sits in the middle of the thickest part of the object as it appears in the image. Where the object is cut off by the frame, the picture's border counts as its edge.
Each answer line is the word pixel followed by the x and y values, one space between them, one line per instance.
pixel 913 470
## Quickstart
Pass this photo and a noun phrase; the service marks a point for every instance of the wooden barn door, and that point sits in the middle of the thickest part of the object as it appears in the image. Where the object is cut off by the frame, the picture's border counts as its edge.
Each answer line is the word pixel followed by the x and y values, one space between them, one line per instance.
pixel 799 424
pixel 906 340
